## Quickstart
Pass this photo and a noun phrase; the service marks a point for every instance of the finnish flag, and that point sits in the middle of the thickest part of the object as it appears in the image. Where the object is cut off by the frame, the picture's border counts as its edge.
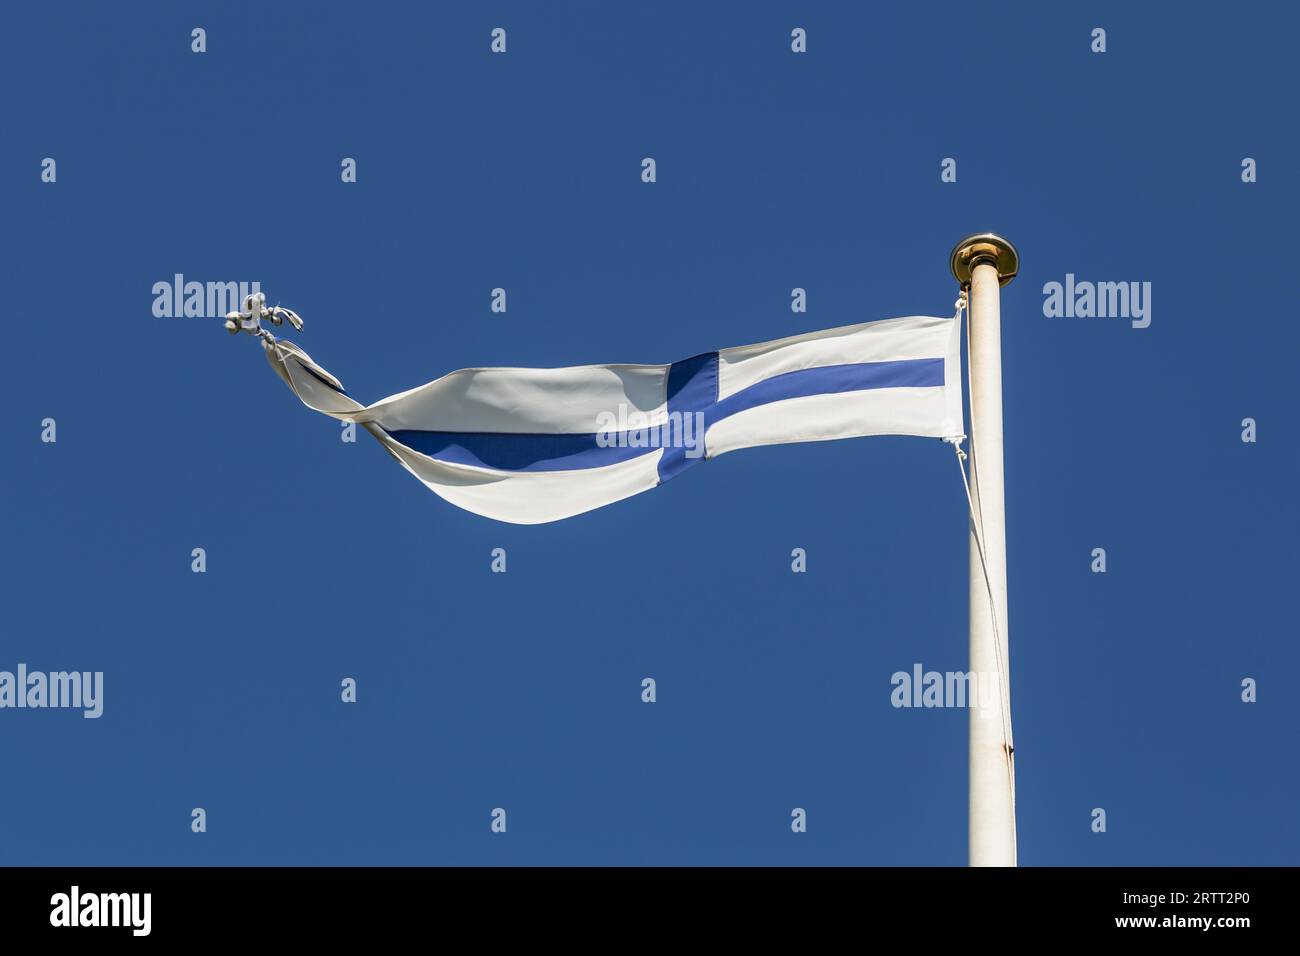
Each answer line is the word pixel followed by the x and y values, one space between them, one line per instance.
pixel 530 445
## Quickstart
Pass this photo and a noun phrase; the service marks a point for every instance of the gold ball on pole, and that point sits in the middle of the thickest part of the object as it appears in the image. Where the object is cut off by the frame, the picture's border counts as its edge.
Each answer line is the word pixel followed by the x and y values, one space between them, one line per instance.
pixel 984 247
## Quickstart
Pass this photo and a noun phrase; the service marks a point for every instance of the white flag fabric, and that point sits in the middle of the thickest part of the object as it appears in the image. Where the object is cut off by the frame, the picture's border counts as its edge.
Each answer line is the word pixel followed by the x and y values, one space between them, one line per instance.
pixel 528 445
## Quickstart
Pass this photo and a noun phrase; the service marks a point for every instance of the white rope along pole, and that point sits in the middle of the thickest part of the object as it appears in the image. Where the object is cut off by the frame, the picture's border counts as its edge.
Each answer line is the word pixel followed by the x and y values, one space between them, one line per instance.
pixel 984 263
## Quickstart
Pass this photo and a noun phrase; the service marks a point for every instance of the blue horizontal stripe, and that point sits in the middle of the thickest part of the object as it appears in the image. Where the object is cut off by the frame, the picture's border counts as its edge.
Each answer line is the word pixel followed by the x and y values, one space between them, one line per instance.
pixel 692 387
pixel 515 452
pixel 829 380
pixel 316 375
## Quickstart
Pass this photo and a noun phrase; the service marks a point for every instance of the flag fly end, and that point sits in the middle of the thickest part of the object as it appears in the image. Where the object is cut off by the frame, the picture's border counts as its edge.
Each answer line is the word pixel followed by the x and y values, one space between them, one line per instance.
pixel 254 312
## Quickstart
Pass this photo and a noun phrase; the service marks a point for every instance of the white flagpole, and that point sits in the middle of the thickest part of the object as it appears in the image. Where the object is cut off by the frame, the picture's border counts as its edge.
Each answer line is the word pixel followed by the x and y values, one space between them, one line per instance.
pixel 984 263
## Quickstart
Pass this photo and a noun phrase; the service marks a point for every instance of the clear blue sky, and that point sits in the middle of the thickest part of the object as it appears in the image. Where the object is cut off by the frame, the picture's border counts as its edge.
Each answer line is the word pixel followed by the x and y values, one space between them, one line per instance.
pixel 326 560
